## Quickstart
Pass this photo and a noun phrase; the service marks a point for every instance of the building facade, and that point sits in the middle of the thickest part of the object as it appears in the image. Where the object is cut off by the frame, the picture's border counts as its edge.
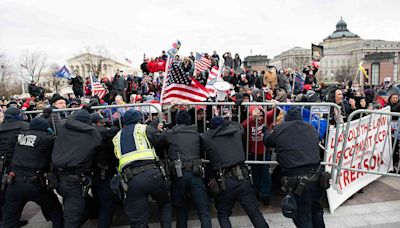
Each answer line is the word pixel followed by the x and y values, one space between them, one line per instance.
pixel 256 62
pixel 295 58
pixel 85 63
pixel 344 51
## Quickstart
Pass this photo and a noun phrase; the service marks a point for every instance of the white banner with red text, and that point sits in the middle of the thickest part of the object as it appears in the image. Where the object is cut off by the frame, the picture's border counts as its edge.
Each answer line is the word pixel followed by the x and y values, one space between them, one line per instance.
pixel 368 147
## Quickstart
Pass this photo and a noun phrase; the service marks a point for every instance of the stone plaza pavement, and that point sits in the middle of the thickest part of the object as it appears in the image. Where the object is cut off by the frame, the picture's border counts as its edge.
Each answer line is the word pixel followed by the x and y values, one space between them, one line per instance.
pixel 377 206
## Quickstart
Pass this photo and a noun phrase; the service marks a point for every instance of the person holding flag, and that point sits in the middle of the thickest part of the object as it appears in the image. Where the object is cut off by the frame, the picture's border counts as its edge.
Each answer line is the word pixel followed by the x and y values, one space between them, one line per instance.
pixel 77 84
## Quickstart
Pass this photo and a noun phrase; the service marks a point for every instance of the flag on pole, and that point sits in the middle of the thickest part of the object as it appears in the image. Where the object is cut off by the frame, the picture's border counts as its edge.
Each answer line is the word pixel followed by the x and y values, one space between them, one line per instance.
pixel 171 55
pixel 63 73
pixel 97 87
pixel 180 86
pixel 298 83
pixel 362 69
pixel 175 48
pixel 201 63
pixel 212 78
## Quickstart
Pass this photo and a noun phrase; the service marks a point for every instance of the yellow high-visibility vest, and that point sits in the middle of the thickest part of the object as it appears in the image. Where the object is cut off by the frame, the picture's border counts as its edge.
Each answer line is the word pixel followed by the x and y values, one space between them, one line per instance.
pixel 144 149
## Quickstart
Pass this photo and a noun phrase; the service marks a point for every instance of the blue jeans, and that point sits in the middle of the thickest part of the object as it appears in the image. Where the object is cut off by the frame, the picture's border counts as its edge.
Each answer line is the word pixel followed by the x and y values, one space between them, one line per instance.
pixel 262 177
pixel 243 192
pixel 136 204
pixel 309 209
pixel 193 184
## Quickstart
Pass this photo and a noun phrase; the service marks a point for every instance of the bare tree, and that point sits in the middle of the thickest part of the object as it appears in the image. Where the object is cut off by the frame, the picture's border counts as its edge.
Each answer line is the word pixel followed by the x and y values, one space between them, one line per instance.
pixel 8 86
pixel 94 58
pixel 301 62
pixel 344 73
pixel 32 65
pixel 56 81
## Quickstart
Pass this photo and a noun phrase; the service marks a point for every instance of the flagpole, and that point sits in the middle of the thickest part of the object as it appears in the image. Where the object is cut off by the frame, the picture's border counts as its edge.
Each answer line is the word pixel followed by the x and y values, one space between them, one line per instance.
pixel 294 76
pixel 165 78
pixel 91 82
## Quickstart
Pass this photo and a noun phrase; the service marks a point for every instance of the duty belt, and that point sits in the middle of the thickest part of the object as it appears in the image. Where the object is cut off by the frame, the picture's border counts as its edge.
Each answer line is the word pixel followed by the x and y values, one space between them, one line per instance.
pixel 32 179
pixel 71 178
pixel 130 172
pixel 238 172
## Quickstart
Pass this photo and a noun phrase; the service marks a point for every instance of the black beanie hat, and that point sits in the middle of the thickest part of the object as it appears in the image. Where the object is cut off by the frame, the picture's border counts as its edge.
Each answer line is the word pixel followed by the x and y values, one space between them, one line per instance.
pixel 294 113
pixel 39 124
pixel 83 116
pixel 12 113
pixel 132 116
pixel 56 97
pixel 216 121
pixel 183 117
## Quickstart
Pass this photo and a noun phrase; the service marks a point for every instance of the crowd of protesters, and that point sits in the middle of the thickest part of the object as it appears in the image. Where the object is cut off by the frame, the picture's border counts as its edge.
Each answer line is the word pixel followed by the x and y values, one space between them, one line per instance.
pixel 272 85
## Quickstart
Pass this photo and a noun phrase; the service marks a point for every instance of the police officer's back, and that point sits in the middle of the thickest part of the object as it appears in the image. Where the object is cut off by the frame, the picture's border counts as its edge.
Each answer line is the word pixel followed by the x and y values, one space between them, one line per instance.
pixel 224 147
pixel 223 144
pixel 183 144
pixel 297 148
pixel 296 142
pixel 72 157
pixel 9 131
pixel 139 165
pixel 30 163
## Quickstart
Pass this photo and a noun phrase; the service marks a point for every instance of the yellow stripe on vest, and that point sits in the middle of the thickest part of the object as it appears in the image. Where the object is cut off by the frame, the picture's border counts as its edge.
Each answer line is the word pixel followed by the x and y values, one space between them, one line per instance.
pixel 144 149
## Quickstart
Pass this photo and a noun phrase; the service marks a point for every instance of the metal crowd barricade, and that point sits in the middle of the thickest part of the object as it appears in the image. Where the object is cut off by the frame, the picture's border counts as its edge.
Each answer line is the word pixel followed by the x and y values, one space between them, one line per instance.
pixel 370 157
pixel 232 112
pixel 113 112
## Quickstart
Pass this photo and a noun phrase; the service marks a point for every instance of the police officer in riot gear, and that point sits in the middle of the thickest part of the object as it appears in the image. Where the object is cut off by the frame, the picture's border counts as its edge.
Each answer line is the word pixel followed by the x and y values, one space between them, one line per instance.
pixel 183 144
pixel 297 148
pixel 72 158
pixel 139 165
pixel 27 182
pixel 224 147
pixel 104 168
pixel 9 131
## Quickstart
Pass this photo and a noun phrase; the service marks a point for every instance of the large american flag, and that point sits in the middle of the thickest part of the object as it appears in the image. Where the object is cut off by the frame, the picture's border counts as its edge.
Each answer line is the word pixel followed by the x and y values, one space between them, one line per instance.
pixel 97 87
pixel 181 87
pixel 201 63
pixel 212 78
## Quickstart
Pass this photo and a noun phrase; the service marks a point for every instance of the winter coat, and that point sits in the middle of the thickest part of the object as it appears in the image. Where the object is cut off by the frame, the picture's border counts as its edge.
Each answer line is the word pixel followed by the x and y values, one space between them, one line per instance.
pixel 76 156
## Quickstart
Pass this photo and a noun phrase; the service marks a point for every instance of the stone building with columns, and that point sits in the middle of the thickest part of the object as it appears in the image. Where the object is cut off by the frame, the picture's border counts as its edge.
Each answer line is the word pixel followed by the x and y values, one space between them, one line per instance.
pixel 85 62
pixel 344 51
pixel 296 57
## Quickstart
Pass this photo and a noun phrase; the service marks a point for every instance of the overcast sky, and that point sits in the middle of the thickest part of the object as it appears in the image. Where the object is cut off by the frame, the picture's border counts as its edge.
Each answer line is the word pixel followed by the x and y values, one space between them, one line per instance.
pixel 130 28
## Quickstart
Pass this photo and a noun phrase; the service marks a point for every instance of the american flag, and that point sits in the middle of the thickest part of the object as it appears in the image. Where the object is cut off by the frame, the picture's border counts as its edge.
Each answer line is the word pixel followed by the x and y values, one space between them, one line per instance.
pixel 180 86
pixel 97 88
pixel 212 78
pixel 201 63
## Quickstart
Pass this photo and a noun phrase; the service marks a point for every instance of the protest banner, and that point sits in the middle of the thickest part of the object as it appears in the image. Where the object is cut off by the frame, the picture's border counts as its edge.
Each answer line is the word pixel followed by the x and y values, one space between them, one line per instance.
pixel 368 148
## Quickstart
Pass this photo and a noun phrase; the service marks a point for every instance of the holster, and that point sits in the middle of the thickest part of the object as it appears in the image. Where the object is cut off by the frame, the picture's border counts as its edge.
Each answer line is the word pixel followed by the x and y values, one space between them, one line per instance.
pixel 86 183
pixel 214 186
pixel 51 180
pixel 325 180
pixel 221 181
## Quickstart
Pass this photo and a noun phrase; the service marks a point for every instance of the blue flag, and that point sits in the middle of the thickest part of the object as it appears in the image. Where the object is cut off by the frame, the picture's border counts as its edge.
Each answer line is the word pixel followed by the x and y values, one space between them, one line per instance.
pixel 313 120
pixel 63 73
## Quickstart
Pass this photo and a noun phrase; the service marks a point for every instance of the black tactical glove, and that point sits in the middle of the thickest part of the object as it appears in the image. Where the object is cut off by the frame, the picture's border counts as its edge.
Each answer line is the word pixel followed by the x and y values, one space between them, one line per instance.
pixel 47 112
